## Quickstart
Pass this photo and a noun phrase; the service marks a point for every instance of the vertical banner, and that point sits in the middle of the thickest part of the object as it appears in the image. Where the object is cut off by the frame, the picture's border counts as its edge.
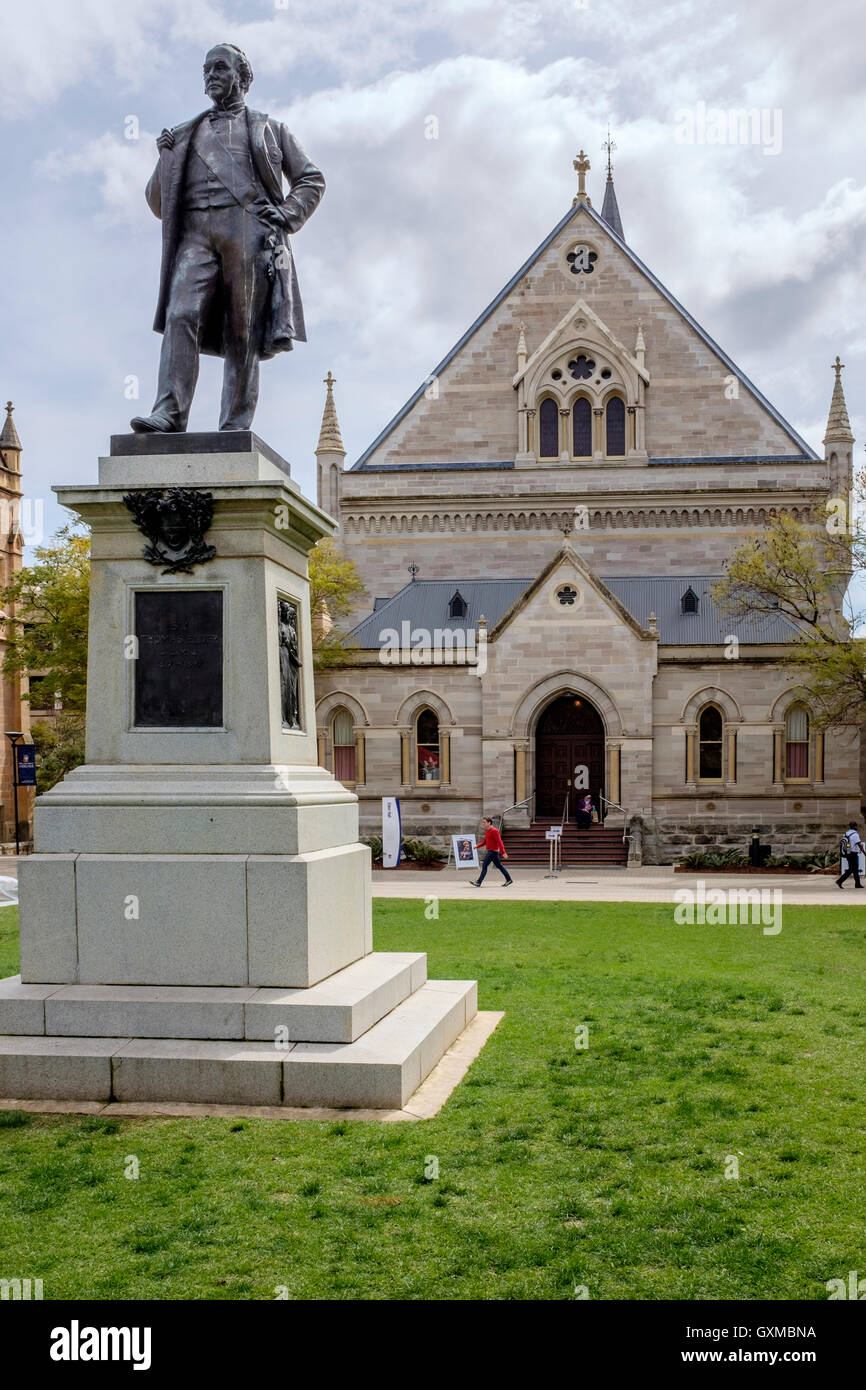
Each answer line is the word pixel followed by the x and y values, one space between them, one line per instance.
pixel 25 754
pixel 392 832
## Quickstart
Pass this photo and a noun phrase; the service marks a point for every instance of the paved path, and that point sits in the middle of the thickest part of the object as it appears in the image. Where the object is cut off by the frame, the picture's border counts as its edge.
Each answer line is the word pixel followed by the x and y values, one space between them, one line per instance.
pixel 647 885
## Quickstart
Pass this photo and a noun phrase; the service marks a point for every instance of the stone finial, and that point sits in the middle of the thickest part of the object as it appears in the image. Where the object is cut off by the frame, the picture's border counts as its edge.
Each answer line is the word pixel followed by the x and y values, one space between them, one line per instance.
pixel 482 622
pixel 330 439
pixel 652 625
pixel 838 425
pixel 640 345
pixel 521 348
pixel 9 435
pixel 582 165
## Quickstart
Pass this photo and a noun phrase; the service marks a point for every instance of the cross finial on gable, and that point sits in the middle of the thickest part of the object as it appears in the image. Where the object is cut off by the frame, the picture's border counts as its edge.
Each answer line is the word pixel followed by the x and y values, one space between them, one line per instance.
pixel 582 165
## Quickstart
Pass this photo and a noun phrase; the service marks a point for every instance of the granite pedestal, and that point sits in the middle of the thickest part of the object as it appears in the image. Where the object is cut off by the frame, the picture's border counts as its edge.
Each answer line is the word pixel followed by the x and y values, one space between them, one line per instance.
pixel 195 922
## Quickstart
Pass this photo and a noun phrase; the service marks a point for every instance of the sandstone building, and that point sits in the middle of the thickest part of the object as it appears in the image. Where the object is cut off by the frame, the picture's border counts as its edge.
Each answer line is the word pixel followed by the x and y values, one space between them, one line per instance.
pixel 539 529
pixel 14 713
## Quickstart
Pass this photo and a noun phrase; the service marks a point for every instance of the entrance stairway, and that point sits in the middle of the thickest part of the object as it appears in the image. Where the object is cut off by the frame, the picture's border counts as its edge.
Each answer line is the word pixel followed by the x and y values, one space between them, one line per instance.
pixel 595 847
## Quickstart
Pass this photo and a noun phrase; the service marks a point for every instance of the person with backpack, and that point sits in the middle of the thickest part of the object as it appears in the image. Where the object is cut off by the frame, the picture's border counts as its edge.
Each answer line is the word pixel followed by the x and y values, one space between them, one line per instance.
pixel 849 847
pixel 494 848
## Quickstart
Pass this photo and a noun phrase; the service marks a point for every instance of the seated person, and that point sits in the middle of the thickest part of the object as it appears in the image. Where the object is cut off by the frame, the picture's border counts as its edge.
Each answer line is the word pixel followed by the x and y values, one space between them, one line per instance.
pixel 585 809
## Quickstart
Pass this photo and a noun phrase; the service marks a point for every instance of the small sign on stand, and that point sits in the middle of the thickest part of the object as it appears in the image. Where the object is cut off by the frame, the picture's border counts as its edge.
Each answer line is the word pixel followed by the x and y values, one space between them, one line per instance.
pixel 464 851
pixel 554 835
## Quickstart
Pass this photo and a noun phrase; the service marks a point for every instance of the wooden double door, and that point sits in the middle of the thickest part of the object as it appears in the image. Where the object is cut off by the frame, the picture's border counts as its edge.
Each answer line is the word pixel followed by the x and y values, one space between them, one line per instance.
pixel 570 734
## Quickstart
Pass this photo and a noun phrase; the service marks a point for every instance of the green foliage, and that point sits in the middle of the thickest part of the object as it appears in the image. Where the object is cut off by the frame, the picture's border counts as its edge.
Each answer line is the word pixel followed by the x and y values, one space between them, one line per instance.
pixel 420 852
pixel 335 589
pixel 733 859
pixel 800 570
pixel 50 600
pixel 59 748
pixel 375 843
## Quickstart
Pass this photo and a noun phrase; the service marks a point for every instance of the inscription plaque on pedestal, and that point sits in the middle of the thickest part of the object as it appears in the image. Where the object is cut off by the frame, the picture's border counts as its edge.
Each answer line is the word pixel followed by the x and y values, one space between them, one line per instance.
pixel 179 670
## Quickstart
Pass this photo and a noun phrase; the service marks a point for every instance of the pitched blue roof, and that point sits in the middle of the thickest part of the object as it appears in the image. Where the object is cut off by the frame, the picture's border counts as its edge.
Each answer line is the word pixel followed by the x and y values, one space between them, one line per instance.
pixel 424 603
pixel 600 222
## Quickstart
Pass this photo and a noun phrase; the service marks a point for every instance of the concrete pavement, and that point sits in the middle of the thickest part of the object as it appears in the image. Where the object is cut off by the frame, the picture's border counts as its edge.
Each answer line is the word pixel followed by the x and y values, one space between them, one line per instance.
pixel 645 885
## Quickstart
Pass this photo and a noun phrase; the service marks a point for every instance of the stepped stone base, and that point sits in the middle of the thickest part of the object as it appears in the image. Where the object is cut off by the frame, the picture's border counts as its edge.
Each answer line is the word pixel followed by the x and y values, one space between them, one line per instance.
pixel 366 1037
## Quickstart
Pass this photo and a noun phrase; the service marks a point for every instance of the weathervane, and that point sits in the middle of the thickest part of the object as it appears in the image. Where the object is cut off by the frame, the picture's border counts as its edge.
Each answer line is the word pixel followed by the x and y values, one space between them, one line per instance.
pixel 609 145
pixel 413 570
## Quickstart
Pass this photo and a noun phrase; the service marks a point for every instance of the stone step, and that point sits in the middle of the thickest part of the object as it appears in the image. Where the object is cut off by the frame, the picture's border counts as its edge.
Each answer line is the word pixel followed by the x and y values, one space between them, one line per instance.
pixel 381 1070
pixel 338 1010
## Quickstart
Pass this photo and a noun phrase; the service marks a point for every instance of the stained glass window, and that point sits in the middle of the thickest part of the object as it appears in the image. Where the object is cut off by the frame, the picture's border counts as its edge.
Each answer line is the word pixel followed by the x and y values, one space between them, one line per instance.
pixel 615 427
pixel 710 739
pixel 548 430
pixel 582 427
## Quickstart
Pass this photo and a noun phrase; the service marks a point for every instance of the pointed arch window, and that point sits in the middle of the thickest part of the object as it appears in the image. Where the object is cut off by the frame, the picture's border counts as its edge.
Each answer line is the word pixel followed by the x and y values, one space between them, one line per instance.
pixel 345 745
pixel 581 428
pixel 797 743
pixel 548 429
pixel 428 762
pixel 710 736
pixel 614 427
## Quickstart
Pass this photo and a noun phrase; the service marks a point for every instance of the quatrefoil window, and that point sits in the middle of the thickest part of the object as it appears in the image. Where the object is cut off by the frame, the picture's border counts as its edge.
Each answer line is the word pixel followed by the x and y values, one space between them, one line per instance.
pixel 566 595
pixel 581 260
pixel 581 367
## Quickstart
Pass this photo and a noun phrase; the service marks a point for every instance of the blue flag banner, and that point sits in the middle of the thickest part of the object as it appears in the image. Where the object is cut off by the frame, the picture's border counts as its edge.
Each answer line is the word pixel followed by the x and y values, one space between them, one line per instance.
pixel 25 756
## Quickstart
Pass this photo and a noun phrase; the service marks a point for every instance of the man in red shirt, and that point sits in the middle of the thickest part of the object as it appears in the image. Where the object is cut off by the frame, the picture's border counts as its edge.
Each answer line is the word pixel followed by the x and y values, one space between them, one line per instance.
pixel 492 843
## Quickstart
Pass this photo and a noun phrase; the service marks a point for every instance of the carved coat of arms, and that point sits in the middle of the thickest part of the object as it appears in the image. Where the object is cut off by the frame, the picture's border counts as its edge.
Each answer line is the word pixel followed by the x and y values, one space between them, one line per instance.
pixel 174 520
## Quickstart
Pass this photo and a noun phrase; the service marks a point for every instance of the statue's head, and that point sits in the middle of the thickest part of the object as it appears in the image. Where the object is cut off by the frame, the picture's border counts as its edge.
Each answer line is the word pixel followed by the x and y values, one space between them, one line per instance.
pixel 227 73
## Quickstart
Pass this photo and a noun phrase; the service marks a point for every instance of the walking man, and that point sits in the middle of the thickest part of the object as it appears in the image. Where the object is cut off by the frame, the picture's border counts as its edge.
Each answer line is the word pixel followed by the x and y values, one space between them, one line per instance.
pixel 495 853
pixel 852 854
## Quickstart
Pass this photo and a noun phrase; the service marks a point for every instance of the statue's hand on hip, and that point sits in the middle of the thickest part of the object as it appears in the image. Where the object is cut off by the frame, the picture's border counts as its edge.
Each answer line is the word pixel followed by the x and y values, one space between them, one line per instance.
pixel 165 140
pixel 275 216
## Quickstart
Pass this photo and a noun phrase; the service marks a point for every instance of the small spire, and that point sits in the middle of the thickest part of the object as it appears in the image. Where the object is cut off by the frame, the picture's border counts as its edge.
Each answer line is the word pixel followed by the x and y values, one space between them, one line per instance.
pixel 609 208
pixel 640 345
pixel 9 435
pixel 582 166
pixel 330 439
pixel 521 348
pixel 838 424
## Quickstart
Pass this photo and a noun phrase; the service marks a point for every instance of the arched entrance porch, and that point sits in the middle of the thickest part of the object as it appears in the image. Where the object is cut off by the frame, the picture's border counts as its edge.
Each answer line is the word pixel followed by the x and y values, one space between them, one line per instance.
pixel 569 735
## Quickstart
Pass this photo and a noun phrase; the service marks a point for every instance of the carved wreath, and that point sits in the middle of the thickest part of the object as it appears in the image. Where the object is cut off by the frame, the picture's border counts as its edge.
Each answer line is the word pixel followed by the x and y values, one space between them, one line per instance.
pixel 174 520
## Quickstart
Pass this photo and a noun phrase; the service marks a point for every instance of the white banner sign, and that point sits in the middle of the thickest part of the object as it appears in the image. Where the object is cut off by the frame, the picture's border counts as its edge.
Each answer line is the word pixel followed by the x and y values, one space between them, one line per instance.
pixel 392 832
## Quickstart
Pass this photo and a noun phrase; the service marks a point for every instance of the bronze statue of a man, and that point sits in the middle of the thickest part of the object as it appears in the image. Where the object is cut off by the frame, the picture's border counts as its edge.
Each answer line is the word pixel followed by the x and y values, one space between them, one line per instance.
pixel 228 285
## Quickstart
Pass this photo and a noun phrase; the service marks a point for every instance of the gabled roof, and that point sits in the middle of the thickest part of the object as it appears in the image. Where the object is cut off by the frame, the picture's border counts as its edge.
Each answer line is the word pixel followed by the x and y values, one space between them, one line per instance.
pixel 424 604
pixel 603 226
pixel 569 556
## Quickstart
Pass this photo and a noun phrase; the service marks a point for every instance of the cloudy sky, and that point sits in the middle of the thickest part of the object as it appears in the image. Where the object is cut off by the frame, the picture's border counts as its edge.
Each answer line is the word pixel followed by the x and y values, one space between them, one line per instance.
pixel 764 241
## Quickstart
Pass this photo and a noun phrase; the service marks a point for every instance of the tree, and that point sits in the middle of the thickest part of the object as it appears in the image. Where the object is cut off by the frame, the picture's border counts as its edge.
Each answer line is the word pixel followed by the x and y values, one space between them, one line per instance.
pixel 800 571
pixel 50 601
pixel 335 588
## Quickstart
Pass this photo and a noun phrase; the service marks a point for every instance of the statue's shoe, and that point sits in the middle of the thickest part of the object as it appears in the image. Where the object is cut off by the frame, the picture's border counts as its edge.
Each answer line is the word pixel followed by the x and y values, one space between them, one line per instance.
pixel 153 424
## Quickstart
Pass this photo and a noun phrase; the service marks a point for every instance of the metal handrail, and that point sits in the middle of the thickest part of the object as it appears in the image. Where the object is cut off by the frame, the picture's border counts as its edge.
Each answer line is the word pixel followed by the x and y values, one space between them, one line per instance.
pixel 525 802
pixel 564 822
pixel 627 814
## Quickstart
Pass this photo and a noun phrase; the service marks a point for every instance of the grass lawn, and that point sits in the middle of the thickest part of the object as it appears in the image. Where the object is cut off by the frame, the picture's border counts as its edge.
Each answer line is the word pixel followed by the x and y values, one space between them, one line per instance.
pixel 603 1167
